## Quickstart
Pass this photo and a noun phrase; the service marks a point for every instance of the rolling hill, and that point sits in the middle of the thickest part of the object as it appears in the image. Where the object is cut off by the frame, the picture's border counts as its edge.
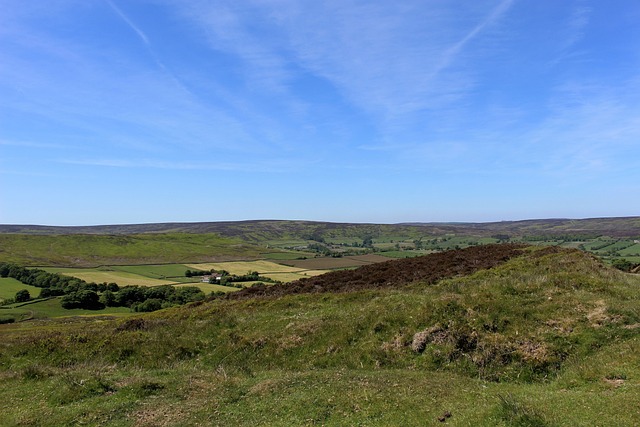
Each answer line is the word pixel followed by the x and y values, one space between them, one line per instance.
pixel 260 230
pixel 500 337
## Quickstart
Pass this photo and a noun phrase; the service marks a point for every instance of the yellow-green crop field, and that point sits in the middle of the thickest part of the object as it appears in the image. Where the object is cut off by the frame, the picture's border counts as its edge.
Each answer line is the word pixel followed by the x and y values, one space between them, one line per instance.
pixel 122 278
pixel 283 273
pixel 207 288
pixel 291 276
pixel 243 267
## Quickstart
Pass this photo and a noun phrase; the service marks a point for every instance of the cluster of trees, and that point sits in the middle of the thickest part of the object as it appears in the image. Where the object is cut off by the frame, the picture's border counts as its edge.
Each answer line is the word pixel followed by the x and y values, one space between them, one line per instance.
pixel 252 276
pixel 624 265
pixel 192 273
pixel 227 279
pixel 76 293
pixel 138 298
pixel 51 284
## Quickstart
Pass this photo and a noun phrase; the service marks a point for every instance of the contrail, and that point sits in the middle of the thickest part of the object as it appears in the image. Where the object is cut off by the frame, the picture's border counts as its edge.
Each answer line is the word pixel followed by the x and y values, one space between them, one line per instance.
pixel 128 21
pixel 145 40
pixel 455 49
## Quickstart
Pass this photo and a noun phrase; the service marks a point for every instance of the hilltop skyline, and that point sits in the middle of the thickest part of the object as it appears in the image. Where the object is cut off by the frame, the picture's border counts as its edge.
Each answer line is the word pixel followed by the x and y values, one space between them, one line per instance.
pixel 150 111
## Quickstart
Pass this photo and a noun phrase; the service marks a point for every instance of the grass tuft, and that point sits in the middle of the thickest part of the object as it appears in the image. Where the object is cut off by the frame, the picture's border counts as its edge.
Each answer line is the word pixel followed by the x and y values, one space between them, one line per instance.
pixel 517 414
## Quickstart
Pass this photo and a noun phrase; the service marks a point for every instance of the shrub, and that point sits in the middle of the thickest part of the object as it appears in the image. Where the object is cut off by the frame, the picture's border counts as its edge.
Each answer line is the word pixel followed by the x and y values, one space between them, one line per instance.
pixel 22 296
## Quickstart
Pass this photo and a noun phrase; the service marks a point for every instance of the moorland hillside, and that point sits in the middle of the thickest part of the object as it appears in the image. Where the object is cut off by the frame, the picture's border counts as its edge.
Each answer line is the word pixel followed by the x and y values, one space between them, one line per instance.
pixel 538 337
pixel 260 230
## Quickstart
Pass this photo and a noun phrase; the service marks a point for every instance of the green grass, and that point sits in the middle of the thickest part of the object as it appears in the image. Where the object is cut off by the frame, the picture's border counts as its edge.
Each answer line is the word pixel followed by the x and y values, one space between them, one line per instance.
pixel 618 245
pixel 108 275
pixel 51 308
pixel 95 250
pixel 279 256
pixel 403 254
pixel 630 250
pixel 9 287
pixel 163 271
pixel 207 288
pixel 540 341
pixel 598 244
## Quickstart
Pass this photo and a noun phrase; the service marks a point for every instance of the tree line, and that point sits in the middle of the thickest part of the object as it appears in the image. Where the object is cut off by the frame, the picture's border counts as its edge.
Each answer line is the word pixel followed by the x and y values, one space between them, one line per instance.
pixel 226 278
pixel 77 293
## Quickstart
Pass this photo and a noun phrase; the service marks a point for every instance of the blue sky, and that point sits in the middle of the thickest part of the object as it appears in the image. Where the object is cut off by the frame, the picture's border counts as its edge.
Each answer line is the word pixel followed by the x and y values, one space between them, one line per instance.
pixel 134 111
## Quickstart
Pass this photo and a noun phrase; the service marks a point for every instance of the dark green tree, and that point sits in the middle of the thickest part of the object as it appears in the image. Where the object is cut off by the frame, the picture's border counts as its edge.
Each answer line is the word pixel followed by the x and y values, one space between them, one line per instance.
pixel 622 264
pixel 88 300
pixel 22 296
pixel 108 298
pixel 151 304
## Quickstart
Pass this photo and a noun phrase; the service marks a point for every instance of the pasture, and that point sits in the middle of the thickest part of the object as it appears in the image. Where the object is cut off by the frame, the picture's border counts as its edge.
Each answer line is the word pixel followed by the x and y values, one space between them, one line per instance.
pixel 173 272
pixel 405 254
pixel 279 256
pixel 122 278
pixel 243 267
pixel 51 308
pixel 207 288
pixel 330 263
pixel 632 250
pixel 292 276
pixel 283 273
pixel 9 287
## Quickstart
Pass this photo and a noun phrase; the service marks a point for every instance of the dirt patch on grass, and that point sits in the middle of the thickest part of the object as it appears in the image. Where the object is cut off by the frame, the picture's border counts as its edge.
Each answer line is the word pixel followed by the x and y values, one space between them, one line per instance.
pixel 598 316
pixel 428 269
pixel 435 334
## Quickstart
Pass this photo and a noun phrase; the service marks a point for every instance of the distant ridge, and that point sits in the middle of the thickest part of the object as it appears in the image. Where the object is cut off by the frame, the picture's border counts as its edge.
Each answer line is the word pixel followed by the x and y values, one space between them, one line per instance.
pixel 613 227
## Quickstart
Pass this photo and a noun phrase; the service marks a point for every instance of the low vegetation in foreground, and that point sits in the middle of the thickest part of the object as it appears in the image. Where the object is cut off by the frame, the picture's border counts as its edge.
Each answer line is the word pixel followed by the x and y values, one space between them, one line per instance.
pixel 543 338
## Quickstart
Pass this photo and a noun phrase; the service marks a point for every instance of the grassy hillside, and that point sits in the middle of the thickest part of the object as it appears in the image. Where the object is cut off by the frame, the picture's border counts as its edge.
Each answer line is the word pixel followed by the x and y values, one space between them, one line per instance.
pixel 547 338
pixel 95 249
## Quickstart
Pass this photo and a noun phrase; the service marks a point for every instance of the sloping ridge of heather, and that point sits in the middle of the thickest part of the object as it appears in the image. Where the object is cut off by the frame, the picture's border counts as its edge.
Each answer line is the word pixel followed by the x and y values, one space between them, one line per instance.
pixel 427 269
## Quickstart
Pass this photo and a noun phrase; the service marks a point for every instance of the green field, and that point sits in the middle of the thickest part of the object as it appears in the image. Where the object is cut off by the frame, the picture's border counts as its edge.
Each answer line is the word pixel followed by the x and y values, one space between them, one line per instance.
pixel 265 268
pixel 9 287
pixel 244 267
pixel 276 256
pixel 122 278
pixel 207 288
pixel 616 246
pixel 51 308
pixel 633 250
pixel 172 272
pixel 404 254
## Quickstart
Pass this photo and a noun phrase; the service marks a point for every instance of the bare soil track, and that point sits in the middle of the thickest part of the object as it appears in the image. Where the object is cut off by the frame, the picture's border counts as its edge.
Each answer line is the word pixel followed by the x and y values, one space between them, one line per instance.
pixel 428 269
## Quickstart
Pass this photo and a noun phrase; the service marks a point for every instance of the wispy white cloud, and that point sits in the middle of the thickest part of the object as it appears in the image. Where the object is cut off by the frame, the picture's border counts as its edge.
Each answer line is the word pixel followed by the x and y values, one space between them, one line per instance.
pixel 227 26
pixel 576 25
pixel 574 30
pixel 386 60
pixel 34 144
pixel 267 166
